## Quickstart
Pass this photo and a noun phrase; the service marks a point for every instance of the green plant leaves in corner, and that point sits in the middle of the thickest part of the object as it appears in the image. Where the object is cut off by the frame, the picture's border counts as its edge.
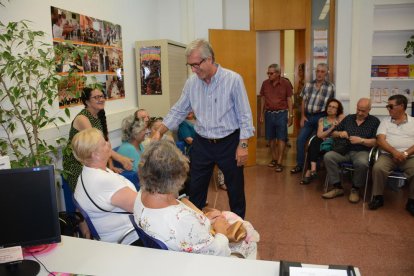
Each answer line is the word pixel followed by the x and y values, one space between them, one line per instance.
pixel 28 89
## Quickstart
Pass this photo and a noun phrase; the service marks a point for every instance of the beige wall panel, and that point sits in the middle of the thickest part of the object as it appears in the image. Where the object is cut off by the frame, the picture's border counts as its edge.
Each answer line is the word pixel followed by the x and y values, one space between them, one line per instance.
pixel 279 14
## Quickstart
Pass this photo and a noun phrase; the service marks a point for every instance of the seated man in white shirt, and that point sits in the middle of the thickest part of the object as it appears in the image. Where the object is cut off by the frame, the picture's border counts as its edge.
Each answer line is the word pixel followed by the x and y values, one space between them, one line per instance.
pixel 395 137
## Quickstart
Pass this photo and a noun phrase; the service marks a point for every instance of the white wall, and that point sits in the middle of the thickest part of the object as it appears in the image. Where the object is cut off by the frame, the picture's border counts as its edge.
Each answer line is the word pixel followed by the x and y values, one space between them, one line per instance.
pixel 343 43
pixel 268 52
pixel 137 22
pixel 178 20
pixel 236 14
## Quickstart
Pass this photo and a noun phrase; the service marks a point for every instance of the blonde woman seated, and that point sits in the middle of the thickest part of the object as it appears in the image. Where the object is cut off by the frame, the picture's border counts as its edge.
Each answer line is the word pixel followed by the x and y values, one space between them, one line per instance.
pixel 163 170
pixel 133 134
pixel 104 195
pixel 182 227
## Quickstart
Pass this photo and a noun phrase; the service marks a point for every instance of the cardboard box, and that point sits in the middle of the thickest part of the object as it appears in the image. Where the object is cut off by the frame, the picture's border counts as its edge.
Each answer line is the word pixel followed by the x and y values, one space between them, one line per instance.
pixel 374 70
pixel 393 71
pixel 411 72
pixel 382 70
pixel 403 70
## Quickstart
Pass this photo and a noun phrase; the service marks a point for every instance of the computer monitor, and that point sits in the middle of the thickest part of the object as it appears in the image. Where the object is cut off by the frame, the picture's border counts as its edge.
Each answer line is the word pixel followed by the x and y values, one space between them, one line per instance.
pixel 29 213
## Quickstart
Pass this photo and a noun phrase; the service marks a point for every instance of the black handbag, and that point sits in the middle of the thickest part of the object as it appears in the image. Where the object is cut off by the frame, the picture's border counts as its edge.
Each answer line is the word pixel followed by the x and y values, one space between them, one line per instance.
pixel 341 145
pixel 69 223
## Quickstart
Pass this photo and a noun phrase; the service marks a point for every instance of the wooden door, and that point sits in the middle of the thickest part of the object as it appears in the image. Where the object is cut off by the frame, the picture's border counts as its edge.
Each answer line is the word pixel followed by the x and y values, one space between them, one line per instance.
pixel 236 50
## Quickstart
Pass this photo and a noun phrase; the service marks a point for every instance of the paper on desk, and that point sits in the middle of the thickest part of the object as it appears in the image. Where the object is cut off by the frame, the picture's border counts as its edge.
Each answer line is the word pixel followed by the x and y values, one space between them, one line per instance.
pixel 11 254
pixel 310 271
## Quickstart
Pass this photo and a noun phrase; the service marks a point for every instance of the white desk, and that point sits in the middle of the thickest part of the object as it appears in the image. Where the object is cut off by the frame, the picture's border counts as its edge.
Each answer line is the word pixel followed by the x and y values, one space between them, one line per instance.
pixel 99 258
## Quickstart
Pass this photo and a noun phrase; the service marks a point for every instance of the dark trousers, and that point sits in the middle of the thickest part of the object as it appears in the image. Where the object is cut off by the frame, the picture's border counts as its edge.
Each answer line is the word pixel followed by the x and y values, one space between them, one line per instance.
pixel 310 127
pixel 204 155
pixel 314 150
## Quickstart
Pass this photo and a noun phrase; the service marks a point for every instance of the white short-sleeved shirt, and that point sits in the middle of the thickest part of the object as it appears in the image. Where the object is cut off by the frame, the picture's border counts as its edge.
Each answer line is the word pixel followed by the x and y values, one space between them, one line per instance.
pixel 401 137
pixel 101 185
pixel 180 228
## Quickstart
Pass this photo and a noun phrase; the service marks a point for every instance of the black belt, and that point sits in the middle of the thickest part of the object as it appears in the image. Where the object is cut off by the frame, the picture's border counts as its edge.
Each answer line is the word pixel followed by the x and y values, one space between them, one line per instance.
pixel 218 140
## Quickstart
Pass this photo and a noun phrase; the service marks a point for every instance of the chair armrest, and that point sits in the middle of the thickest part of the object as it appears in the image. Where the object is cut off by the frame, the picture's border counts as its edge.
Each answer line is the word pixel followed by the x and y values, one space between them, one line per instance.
pixel 122 238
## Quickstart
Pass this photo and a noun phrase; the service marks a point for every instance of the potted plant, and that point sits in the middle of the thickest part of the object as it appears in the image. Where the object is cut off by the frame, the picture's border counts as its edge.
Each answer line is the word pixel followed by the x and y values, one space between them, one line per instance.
pixel 28 89
pixel 409 47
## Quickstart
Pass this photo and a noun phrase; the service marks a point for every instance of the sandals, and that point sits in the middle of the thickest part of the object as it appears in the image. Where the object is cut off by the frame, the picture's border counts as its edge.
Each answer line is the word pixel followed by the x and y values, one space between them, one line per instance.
pixel 279 168
pixel 272 163
pixel 296 169
pixel 308 179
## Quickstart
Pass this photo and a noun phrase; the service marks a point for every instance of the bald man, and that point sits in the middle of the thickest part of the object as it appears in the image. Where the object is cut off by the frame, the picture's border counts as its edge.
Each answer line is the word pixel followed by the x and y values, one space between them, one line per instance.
pixel 357 135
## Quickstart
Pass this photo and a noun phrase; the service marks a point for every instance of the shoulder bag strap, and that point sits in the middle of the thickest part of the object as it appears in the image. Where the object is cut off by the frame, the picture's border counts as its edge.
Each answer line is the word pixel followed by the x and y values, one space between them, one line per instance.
pixel 97 206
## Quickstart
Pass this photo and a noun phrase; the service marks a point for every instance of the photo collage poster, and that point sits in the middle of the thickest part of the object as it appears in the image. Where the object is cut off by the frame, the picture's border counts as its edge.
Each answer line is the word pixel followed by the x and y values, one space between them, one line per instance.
pixel 150 64
pixel 98 57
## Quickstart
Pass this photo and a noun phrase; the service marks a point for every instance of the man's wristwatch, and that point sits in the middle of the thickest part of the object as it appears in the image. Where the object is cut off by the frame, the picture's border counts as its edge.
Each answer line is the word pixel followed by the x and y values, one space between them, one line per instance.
pixel 244 145
pixel 405 154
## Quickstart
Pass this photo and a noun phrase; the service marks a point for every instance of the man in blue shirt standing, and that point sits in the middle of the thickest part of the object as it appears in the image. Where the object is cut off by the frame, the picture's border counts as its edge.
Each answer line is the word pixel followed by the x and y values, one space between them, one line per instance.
pixel 223 126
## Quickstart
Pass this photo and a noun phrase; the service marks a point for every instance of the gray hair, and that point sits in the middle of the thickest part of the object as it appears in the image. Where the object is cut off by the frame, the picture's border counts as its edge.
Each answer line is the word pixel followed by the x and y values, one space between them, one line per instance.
pixel 131 127
pixel 275 66
pixel 203 46
pixel 322 64
pixel 163 168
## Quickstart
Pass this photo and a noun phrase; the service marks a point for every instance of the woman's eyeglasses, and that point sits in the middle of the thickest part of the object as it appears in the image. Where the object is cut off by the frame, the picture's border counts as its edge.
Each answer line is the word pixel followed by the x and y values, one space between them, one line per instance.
pixel 98 97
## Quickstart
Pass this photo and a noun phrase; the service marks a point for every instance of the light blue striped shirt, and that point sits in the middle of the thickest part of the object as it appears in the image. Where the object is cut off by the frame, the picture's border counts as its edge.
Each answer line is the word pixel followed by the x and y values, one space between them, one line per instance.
pixel 220 107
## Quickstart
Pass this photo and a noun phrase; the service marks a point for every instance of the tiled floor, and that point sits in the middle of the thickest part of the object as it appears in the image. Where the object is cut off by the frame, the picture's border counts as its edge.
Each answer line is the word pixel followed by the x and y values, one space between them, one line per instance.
pixel 296 224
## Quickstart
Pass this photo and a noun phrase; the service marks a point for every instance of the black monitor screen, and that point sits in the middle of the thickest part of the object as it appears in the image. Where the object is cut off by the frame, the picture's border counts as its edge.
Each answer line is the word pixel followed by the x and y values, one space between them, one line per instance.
pixel 29 214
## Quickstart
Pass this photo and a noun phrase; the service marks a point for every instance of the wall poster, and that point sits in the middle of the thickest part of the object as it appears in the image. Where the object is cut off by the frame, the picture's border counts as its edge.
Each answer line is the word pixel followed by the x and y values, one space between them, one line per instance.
pixel 320 47
pixel 98 57
pixel 150 64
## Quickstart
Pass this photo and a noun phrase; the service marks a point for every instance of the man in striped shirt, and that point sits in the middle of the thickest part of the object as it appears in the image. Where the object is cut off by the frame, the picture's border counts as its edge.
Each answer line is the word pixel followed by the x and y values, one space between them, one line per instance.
pixel 315 96
pixel 223 125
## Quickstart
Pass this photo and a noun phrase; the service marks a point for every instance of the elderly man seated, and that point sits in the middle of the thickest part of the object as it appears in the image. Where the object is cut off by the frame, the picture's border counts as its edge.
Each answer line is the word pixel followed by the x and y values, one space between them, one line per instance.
pixel 395 137
pixel 356 135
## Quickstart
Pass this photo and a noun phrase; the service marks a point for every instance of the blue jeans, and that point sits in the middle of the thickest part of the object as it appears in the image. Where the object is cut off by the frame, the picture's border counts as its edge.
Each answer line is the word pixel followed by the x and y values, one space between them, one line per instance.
pixel 276 125
pixel 310 127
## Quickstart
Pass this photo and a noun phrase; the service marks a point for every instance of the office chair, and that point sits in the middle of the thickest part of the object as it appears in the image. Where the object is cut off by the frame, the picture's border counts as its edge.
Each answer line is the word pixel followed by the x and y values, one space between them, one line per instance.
pixel 67 194
pixel 349 167
pixel 181 146
pixel 397 174
pixel 305 164
pixel 88 220
pixel 147 240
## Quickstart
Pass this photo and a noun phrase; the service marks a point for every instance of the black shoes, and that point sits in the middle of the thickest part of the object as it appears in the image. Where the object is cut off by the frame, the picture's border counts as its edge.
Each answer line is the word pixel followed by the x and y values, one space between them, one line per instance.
pixel 308 179
pixel 296 169
pixel 377 202
pixel 410 206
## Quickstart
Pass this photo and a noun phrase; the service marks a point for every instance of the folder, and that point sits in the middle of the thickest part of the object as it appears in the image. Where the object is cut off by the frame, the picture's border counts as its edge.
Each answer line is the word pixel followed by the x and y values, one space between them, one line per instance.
pixel 286 265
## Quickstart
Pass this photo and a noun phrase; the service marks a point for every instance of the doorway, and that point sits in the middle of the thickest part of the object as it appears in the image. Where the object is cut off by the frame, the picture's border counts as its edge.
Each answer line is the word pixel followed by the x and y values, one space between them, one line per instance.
pixel 286 48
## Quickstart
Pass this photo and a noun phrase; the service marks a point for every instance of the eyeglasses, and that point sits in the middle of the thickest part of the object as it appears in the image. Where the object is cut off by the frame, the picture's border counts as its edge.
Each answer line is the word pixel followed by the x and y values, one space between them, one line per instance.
pixel 196 65
pixel 270 73
pixel 98 97
pixel 391 106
